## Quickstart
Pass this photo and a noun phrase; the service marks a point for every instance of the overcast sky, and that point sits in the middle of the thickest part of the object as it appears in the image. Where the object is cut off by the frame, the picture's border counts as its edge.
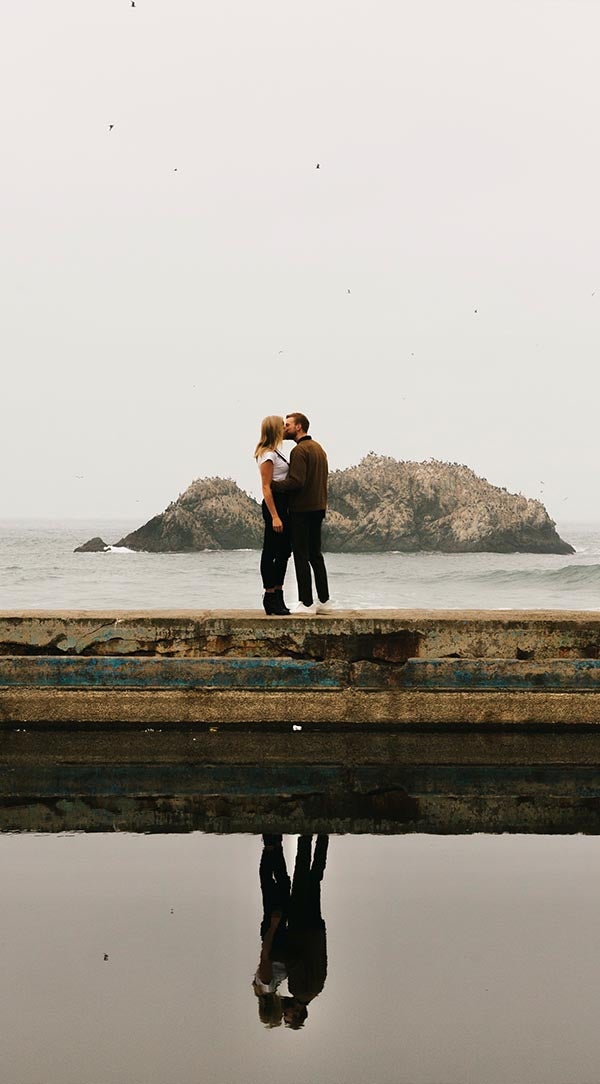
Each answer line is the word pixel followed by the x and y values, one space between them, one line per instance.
pixel 167 283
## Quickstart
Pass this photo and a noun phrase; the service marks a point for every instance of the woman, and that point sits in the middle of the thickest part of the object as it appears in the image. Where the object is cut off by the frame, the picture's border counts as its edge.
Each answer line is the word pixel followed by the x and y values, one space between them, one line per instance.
pixel 273 467
pixel 271 971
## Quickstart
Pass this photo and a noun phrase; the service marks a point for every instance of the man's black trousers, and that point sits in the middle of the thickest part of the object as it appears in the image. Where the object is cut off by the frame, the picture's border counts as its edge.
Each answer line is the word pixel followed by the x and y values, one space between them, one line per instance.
pixel 306 548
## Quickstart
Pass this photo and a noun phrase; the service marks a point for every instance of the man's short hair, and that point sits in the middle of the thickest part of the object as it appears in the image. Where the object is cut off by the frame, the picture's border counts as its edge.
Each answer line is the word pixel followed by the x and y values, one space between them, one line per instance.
pixel 297 1010
pixel 299 419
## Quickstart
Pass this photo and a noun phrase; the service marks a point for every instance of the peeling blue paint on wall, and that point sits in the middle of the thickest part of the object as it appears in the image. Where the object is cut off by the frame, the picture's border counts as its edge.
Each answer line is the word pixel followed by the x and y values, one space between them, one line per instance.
pixel 118 672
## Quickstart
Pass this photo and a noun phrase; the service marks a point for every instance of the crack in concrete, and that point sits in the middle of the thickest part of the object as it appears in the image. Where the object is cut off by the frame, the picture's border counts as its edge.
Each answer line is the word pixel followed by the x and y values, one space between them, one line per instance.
pixel 89 638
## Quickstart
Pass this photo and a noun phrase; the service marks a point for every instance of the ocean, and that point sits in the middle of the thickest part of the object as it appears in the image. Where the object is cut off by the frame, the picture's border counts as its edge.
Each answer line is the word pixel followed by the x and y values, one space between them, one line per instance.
pixel 39 570
pixel 128 959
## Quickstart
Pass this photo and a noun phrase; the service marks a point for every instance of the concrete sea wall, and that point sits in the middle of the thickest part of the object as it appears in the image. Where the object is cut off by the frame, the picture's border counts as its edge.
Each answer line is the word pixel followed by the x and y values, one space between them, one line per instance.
pixel 362 721
pixel 387 667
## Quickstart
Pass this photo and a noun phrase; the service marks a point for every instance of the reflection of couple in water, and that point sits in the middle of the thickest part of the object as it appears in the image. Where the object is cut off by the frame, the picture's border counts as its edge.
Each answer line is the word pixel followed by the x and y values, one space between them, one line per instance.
pixel 294 944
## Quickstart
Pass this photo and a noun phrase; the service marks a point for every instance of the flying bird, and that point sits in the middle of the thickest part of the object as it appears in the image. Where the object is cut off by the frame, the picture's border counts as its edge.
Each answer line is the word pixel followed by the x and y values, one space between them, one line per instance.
pixel 317 166
pixel 347 291
pixel 110 127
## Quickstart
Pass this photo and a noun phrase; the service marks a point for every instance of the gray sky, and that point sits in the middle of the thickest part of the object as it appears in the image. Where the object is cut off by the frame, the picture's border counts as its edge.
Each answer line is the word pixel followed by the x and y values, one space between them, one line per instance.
pixel 167 283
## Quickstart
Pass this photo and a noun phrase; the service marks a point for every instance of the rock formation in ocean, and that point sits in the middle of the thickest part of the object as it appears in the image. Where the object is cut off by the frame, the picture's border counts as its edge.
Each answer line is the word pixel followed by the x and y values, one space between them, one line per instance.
pixel 383 504
pixel 375 507
pixel 93 545
pixel 212 514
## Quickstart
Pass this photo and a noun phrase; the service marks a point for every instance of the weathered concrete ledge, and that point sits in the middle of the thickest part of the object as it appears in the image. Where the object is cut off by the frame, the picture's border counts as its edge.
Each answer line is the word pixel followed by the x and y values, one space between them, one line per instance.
pixel 385 635
pixel 376 668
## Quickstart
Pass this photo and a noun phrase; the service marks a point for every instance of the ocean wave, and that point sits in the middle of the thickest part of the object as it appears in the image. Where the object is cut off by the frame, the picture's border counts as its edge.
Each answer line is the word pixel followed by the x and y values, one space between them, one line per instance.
pixel 567 576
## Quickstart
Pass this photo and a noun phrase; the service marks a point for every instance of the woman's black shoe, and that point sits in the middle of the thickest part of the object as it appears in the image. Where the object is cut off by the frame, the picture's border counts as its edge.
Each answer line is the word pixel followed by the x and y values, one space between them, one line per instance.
pixel 269 602
pixel 281 606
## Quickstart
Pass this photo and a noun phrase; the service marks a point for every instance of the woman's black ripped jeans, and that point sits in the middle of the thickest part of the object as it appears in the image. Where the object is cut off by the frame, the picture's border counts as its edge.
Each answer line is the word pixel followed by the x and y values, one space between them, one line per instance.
pixel 277 546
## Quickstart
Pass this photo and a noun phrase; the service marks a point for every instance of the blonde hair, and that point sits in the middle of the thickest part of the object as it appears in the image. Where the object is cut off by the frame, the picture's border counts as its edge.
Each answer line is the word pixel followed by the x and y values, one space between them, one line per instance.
pixel 270 1010
pixel 271 434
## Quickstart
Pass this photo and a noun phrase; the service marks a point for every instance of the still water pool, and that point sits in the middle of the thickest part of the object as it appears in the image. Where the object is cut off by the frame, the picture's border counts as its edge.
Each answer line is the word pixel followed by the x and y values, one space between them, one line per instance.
pixel 129 959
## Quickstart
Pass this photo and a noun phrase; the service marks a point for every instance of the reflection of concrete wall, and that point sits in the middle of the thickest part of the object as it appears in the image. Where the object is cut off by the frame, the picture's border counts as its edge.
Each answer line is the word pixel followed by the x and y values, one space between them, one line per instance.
pixel 444 801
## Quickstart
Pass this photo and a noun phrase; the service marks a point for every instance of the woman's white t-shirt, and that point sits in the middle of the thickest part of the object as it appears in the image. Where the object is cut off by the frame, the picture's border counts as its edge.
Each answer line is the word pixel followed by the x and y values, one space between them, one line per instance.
pixel 280 465
pixel 279 974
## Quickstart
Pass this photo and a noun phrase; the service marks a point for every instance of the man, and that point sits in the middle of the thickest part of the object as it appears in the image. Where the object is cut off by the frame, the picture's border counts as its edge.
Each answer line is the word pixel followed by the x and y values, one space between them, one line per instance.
pixel 306 957
pixel 306 484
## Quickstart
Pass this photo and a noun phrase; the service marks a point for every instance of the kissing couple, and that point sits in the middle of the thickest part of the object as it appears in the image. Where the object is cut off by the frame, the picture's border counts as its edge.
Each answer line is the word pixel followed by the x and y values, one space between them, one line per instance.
pixel 293 509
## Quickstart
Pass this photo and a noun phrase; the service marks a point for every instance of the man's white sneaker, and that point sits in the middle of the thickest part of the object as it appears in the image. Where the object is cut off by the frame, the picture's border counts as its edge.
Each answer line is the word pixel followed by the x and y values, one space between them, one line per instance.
pixel 328 607
pixel 306 611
